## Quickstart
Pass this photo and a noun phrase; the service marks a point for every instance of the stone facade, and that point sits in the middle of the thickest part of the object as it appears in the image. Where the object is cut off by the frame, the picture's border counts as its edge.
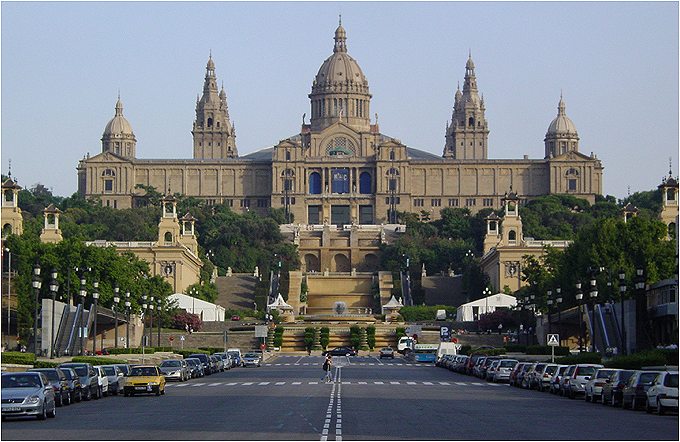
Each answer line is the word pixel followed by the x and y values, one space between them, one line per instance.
pixel 340 169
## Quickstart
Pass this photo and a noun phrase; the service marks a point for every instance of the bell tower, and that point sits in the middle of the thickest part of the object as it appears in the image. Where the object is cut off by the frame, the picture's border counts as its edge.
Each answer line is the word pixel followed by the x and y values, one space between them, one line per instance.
pixel 168 227
pixel 467 135
pixel 669 207
pixel 12 220
pixel 214 135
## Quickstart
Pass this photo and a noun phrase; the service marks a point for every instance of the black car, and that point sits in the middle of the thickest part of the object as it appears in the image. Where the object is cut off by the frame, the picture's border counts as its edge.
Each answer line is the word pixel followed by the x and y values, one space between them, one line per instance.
pixel 341 351
pixel 89 381
pixel 205 361
pixel 61 385
pixel 74 384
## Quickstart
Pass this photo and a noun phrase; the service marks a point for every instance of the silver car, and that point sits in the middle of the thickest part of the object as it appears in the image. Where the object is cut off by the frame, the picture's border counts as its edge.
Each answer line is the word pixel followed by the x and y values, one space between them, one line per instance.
pixel 115 377
pixel 175 369
pixel 503 370
pixel 593 388
pixel 27 394
pixel 252 359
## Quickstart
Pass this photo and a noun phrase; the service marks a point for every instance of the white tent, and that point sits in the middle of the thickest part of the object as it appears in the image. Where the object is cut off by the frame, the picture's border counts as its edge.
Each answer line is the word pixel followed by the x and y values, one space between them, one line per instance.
pixel 280 305
pixel 206 310
pixel 473 310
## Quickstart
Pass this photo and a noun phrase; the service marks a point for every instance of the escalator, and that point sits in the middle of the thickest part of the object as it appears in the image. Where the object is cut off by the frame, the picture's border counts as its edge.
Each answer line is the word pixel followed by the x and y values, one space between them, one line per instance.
pixel 406 288
pixel 604 329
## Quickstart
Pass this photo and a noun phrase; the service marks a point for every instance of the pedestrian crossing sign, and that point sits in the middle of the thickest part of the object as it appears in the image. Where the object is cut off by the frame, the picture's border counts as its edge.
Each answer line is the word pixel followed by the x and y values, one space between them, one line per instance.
pixel 554 340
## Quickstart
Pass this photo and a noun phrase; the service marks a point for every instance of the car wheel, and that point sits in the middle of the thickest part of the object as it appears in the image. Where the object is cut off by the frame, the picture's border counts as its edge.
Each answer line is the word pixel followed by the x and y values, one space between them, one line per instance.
pixel 648 407
pixel 42 416
pixel 659 408
pixel 58 400
pixel 125 393
pixel 623 403
pixel 53 413
pixel 163 391
pixel 158 392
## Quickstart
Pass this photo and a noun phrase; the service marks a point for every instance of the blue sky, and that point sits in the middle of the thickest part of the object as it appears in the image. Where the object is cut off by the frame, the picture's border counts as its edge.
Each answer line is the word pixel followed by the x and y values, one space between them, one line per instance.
pixel 616 63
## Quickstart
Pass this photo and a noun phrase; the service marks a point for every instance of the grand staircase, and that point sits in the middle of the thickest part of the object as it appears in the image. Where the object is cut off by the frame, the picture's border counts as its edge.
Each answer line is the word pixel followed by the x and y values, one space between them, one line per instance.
pixel 236 291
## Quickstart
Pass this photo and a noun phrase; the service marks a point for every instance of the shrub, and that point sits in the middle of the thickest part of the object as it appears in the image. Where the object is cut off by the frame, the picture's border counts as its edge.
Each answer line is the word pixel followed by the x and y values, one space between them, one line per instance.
pixel 581 358
pixel 181 319
pixel 355 336
pixel 324 337
pixel 401 331
pixel 16 357
pixel 278 336
pixel 190 351
pixel 465 349
pixel 490 351
pixel 45 364
pixel 212 350
pixel 95 360
pixel 651 358
pixel 546 350
pixel 310 333
pixel 370 336
pixel 424 312
pixel 516 348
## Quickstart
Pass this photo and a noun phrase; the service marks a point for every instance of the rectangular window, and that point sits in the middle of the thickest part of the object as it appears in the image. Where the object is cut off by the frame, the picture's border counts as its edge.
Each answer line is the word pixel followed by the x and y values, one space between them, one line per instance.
pixel 245 202
pixel 314 214
pixel 571 185
pixel 488 202
pixel 340 180
pixel 419 202
pixel 115 204
pixel 261 202
pixel 229 202
pixel 365 214
pixel 108 185
pixel 453 202
pixel 470 202
pixel 436 202
pixel 340 215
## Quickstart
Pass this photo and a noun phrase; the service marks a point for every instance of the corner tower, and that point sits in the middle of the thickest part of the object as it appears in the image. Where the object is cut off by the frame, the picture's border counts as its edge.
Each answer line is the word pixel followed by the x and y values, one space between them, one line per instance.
pixel 340 90
pixel 214 135
pixel 467 135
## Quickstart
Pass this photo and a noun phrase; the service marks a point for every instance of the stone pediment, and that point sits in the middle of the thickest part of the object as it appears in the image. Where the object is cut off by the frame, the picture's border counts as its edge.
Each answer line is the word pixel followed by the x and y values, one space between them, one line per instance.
pixel 572 156
pixel 108 157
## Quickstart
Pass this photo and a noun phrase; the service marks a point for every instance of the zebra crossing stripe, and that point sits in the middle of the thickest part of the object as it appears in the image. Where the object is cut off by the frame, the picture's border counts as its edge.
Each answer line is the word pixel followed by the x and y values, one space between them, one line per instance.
pixel 427 383
pixel 280 383
pixel 214 384
pixel 444 383
pixel 248 383
pixel 411 383
pixel 263 383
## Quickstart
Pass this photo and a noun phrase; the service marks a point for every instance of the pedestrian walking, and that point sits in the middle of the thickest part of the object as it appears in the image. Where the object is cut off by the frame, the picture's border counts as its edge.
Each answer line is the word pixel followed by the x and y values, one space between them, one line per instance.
pixel 327 366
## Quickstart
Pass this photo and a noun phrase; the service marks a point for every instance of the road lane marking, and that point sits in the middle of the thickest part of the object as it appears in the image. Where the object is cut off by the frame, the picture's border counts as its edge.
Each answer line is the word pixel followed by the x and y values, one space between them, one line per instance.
pixel 363 383
pixel 444 383
pixel 296 383
pixel 379 361
pixel 232 383
pixel 411 383
pixel 427 383
pixel 394 382
pixel 248 383
pixel 182 385
pixel 460 383
pixel 298 361
pixel 378 383
pixel 263 383
pixel 198 385
pixel 312 383
pixel 215 383
pixel 476 383
pixel 280 383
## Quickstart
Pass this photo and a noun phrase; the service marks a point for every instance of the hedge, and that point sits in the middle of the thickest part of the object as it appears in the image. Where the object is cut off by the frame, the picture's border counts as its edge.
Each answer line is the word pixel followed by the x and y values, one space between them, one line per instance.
pixel 45 364
pixel 137 350
pixel 16 357
pixel 546 350
pixel 490 351
pixel 212 350
pixel 465 349
pixel 516 348
pixel 425 312
pixel 651 358
pixel 581 358
pixel 190 351
pixel 94 360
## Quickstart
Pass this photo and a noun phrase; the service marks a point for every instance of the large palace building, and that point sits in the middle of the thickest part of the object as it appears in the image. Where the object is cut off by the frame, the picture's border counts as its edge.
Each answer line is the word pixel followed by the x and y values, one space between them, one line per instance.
pixel 340 169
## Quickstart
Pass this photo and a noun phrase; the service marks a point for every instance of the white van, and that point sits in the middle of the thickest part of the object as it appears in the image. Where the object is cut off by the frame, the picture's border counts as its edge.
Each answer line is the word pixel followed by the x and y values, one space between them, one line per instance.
pixel 235 354
pixel 447 348
pixel 405 343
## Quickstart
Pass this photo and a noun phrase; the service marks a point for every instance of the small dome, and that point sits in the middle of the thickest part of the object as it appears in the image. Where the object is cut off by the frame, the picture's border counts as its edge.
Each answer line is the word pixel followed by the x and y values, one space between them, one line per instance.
pixel 118 125
pixel 211 64
pixel 562 125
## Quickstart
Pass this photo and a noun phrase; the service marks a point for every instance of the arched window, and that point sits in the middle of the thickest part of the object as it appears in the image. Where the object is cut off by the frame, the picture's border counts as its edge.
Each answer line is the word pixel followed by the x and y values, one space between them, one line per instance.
pixel 6 230
pixel 391 154
pixel 512 235
pixel 365 183
pixel 340 146
pixel 471 122
pixel 218 124
pixel 210 122
pixel 108 172
pixel 287 155
pixel 9 195
pixel 315 183
pixel 167 237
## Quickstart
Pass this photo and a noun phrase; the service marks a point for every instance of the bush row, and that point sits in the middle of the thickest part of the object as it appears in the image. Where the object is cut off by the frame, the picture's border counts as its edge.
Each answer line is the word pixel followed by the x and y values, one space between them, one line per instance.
pixel 15 357
pixel 651 358
pixel 94 360
pixel 581 358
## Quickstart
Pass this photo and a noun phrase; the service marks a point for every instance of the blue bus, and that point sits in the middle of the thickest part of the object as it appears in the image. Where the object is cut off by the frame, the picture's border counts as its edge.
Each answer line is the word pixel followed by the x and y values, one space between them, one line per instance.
pixel 425 353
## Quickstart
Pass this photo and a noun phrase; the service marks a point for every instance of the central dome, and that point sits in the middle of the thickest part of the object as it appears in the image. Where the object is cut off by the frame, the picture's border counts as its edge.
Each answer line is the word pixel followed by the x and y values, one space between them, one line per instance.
pixel 340 89
pixel 118 126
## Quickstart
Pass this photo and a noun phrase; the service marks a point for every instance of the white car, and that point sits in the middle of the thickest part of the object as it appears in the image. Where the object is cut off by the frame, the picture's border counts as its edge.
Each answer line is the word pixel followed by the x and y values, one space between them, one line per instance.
pixel 102 380
pixel 663 393
pixel 593 388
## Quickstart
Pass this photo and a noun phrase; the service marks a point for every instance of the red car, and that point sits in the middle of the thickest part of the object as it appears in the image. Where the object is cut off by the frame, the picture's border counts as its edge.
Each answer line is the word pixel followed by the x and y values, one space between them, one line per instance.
pixel 236 318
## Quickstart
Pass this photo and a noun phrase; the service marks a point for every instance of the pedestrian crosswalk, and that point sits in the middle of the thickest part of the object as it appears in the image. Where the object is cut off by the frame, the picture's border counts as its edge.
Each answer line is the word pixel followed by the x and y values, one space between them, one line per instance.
pixel 315 364
pixel 282 383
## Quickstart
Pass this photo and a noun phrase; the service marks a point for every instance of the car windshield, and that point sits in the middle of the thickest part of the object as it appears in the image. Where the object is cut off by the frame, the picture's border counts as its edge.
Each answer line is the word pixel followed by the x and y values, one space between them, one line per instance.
pixel 144 371
pixel 252 355
pixel 233 353
pixel 550 369
pixel 124 368
pixel 604 374
pixel 51 375
pixel 671 380
pixel 80 371
pixel 647 378
pixel 21 381
pixel 625 375
pixel 585 371
pixel 508 363
pixel 191 362
pixel 67 373
pixel 171 364
pixel 109 371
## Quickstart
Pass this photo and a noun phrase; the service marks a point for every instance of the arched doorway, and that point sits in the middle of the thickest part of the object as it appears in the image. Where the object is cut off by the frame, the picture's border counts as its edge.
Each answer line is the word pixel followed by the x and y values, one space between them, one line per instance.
pixel 311 263
pixel 371 263
pixel 340 263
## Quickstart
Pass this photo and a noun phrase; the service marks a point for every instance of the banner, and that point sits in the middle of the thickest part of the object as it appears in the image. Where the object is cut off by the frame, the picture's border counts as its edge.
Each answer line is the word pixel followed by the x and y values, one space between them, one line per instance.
pixel 340 180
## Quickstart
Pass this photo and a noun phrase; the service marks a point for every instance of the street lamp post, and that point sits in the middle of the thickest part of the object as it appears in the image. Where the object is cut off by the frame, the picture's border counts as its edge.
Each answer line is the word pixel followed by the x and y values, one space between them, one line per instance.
pixel 193 292
pixel 549 301
pixel 95 297
pixel 151 307
pixel 83 294
pixel 9 291
pixel 116 300
pixel 558 301
pixel 641 306
pixel 159 309
pixel 36 287
pixel 622 291
pixel 54 287
pixel 127 325
pixel 593 298
pixel 144 308
pixel 486 293
pixel 579 299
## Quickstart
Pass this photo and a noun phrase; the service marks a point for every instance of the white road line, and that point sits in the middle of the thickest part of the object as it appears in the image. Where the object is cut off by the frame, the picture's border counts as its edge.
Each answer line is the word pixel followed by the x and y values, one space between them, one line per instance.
pixel 493 385
pixel 312 383
pixel 231 384
pixel 411 383
pixel 298 361
pixel 214 384
pixel 363 383
pixel 182 385
pixel 394 382
pixel 296 383
pixel 280 383
pixel 427 383
pixel 346 383
pixel 476 383
pixel 198 385
pixel 248 383
pixel 460 383
pixel 263 383
pixel 379 361
pixel 378 383
pixel 276 364
pixel 286 364
pixel 444 383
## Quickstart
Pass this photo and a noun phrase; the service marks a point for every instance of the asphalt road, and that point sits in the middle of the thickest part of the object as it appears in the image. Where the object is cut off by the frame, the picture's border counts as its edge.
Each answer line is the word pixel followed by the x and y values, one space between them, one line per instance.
pixel 368 400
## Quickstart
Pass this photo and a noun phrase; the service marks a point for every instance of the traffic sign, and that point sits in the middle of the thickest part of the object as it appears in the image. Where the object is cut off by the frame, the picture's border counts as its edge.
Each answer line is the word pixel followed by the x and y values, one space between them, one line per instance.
pixel 554 340
pixel 181 338
pixel 261 331
pixel 445 332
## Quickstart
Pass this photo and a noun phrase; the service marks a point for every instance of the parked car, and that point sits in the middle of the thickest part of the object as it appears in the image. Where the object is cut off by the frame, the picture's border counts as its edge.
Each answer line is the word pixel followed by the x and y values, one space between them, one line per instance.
pixel 144 379
pixel 593 388
pixel 235 318
pixel 341 351
pixel 534 376
pixel 612 390
pixel 512 379
pixel 576 384
pixel 663 393
pixel 387 352
pixel 216 364
pixel 60 385
pixel 635 391
pixel 477 369
pixel 505 367
pixel 103 381
pixel 523 376
pixel 74 384
pixel 174 369
pixel 89 381
pixel 125 368
pixel 461 364
pixel 471 363
pixel 115 378
pixel 27 394
pixel 253 359
pixel 226 362
pixel 556 378
pixel 491 370
pixel 205 362
pixel 543 375
pixel 195 367
pixel 564 379
pixel 235 353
